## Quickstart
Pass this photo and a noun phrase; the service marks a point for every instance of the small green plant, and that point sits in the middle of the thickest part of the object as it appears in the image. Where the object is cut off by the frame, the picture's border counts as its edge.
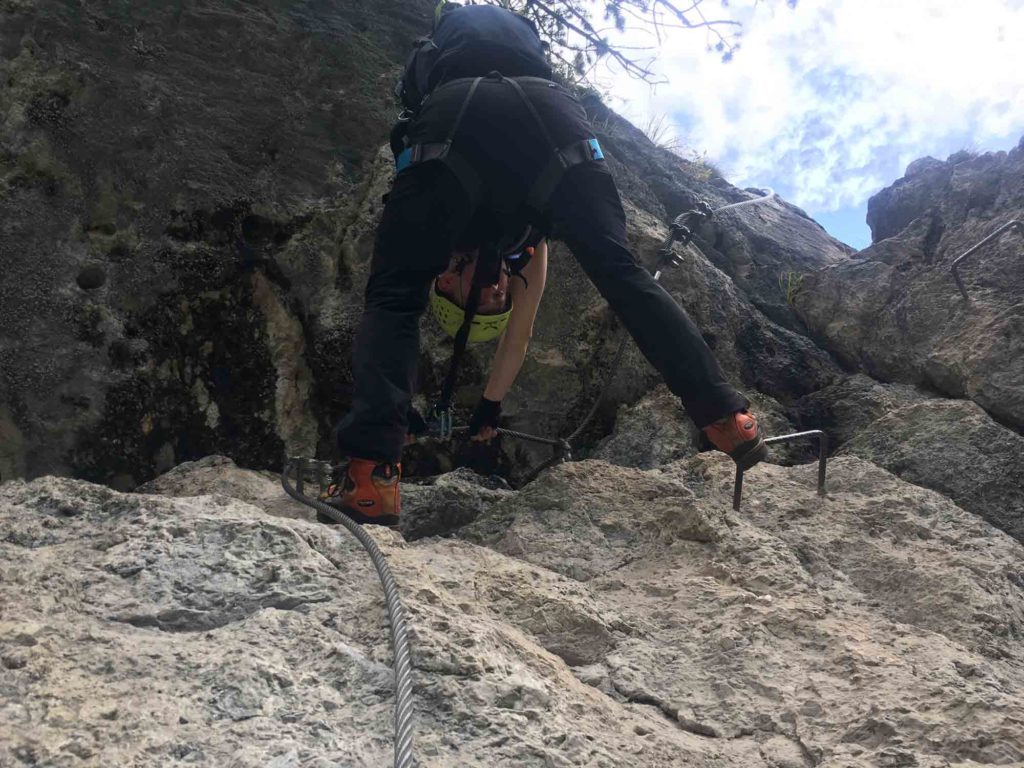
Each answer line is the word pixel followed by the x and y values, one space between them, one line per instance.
pixel 658 128
pixel 698 166
pixel 791 284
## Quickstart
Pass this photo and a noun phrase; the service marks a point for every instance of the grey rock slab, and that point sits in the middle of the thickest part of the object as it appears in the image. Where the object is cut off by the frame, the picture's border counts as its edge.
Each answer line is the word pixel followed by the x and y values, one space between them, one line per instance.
pixel 585 518
pixel 953 447
pixel 615 617
pixel 106 660
pixel 847 406
pixel 221 476
pixel 651 432
pixel 823 626
pixel 656 430
pixel 193 629
pixel 432 507
pixel 447 502
pixel 875 617
pixel 894 311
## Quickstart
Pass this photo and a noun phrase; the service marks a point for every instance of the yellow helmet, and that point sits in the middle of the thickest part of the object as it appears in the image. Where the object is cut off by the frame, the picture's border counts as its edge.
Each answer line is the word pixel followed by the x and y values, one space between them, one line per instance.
pixel 451 316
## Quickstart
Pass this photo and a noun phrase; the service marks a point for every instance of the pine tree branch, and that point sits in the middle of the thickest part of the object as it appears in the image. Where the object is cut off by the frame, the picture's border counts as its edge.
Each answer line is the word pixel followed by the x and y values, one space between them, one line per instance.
pixel 600 45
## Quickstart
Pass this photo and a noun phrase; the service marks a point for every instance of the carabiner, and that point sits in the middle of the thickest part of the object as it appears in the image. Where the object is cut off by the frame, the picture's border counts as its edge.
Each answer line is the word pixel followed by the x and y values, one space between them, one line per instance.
pixel 442 421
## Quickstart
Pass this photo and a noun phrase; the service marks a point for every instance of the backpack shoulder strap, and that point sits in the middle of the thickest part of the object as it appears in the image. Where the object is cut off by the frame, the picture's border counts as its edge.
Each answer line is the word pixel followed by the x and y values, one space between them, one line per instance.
pixel 583 151
pixel 464 172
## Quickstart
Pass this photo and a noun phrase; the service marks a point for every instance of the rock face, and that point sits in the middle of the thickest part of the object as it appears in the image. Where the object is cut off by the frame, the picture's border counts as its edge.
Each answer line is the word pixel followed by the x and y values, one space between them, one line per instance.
pixel 953 447
pixel 649 433
pixel 187 227
pixel 613 617
pixel 164 172
pixel 894 311
pixel 656 431
pixel 758 247
pixel 448 502
pixel 849 405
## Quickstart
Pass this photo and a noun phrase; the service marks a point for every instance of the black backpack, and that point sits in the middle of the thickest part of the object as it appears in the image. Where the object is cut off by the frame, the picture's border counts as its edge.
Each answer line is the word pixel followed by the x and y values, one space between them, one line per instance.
pixel 471 41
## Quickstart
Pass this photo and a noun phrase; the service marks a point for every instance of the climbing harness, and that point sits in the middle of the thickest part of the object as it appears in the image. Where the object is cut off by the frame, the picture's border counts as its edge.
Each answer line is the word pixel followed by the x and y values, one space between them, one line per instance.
pixel 561 159
pixel 396 613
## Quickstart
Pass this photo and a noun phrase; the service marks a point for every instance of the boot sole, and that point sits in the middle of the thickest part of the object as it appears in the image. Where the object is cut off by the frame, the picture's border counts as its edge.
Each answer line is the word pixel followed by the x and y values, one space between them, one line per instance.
pixel 357 517
pixel 750 453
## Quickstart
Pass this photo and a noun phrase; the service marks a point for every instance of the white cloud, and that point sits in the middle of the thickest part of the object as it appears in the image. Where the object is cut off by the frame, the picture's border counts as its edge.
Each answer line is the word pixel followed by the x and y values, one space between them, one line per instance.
pixel 829 102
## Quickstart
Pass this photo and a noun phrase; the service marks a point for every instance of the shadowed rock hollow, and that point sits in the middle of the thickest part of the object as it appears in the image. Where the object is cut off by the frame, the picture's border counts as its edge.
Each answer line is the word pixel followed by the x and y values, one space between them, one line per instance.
pixel 602 616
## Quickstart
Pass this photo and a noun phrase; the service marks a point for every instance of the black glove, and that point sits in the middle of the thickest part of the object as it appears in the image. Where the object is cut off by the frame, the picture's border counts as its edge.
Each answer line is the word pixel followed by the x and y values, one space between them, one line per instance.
pixel 417 424
pixel 486 414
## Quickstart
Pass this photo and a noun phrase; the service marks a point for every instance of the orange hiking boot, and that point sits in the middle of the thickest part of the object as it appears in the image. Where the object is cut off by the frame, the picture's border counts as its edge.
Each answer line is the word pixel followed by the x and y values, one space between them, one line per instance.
pixel 368 494
pixel 739 436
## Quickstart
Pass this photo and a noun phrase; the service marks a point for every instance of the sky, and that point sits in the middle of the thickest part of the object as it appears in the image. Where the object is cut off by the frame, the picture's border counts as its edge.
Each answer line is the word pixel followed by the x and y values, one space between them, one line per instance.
pixel 828 102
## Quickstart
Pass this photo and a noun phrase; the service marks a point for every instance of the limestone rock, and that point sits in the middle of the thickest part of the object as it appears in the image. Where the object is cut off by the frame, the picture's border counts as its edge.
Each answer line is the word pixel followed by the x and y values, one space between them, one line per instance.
pixel 656 431
pixel 920 189
pixel 611 516
pixel 154 217
pixel 955 448
pixel 652 432
pixel 894 311
pixel 758 247
pixel 849 405
pixel 754 352
pixel 444 503
pixel 219 475
pixel 623 617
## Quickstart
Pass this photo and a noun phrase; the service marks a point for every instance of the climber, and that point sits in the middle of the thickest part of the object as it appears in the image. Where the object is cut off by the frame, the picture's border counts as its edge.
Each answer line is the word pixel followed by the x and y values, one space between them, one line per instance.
pixel 491 145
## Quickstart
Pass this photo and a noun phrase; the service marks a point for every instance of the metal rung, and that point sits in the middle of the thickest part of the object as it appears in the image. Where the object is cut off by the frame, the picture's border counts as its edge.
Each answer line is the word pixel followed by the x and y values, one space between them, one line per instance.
pixel 312 469
pixel 1018 225
pixel 822 458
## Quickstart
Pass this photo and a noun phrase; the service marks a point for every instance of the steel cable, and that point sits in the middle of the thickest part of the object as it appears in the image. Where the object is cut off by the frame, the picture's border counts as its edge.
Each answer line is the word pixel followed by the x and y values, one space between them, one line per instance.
pixel 396 614
pixel 741 203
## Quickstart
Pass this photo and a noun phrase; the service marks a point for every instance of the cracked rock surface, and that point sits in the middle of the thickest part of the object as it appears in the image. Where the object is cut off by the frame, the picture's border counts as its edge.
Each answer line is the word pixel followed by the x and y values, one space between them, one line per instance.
pixel 601 616
pixel 954 447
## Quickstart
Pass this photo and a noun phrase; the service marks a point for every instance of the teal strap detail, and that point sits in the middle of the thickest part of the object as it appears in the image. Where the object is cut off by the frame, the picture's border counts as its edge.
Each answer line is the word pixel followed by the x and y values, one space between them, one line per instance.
pixel 404 159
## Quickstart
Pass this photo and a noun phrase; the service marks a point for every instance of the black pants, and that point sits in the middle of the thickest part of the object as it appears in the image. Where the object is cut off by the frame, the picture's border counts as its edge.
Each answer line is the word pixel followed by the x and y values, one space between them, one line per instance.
pixel 427 214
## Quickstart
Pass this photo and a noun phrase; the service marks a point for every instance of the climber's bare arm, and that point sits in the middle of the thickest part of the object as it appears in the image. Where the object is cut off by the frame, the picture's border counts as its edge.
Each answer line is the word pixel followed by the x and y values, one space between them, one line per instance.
pixel 516 339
